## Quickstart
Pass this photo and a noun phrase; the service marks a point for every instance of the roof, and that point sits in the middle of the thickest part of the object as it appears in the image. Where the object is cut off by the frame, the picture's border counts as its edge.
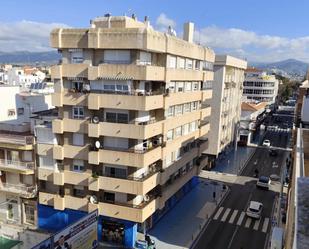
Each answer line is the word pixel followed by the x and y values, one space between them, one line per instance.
pixel 253 69
pixel 227 60
pixel 246 106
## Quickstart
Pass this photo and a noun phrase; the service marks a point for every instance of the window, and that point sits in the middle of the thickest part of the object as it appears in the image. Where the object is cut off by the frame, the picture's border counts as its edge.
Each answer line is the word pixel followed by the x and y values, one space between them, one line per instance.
pixel 179 87
pixel 185 129
pixel 109 197
pixel 145 58
pixel 172 87
pixel 194 105
pixel 11 112
pixel 29 213
pixel 171 61
pixel 208 66
pixel 117 56
pixel 193 126
pixel 117 117
pixel 78 165
pixel 188 86
pixel 20 111
pixel 169 135
pixel 178 131
pixel 189 64
pixel 78 191
pixel 178 154
pixel 78 112
pixel 76 56
pixel 171 111
pixel 169 159
pixel 181 62
pixel 187 107
pixel 197 65
pixel 178 109
pixel 78 139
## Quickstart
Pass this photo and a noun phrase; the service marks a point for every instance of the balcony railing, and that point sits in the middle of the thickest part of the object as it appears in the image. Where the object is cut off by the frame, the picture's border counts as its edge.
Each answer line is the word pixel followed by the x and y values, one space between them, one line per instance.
pixel 16 139
pixel 22 189
pixel 131 93
pixel 133 150
pixel 140 206
pixel 16 164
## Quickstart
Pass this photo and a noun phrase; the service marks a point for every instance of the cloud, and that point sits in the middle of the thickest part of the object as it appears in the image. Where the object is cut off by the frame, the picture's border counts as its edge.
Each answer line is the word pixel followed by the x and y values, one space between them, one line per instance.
pixel 26 35
pixel 163 22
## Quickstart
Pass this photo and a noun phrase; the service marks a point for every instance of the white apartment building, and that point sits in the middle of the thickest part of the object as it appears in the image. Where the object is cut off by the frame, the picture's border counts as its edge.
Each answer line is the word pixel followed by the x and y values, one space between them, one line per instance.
pixel 259 86
pixel 23 76
pixel 226 102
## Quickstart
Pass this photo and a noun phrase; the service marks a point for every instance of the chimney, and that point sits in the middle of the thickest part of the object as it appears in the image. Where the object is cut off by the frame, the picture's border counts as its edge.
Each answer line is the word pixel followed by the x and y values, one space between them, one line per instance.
pixel 188 31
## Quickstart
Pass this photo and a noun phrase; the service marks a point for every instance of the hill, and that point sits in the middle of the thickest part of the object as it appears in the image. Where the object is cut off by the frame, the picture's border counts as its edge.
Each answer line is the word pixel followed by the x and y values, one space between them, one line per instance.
pixel 26 57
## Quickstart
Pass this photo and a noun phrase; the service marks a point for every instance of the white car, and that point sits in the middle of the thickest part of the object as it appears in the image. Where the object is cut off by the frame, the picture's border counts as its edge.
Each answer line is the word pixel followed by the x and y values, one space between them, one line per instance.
pixel 263 182
pixel 254 209
pixel 266 143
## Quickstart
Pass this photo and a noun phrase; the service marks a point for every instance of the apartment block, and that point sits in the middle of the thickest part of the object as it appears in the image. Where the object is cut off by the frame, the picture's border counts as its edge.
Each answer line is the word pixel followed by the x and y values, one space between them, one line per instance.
pixel 225 103
pixel 129 136
pixel 259 86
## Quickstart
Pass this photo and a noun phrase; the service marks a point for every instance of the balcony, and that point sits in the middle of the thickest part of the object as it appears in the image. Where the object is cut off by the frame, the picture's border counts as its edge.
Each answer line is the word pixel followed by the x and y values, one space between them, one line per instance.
pixel 23 190
pixel 134 186
pixel 69 125
pixel 125 130
pixel 26 168
pixel 70 151
pixel 124 101
pixel 69 98
pixel 69 71
pixel 126 72
pixel 126 157
pixel 204 129
pixel 76 178
pixel 184 74
pixel 16 141
pixel 128 212
pixel 182 97
pixel 203 144
pixel 202 162
pixel 206 111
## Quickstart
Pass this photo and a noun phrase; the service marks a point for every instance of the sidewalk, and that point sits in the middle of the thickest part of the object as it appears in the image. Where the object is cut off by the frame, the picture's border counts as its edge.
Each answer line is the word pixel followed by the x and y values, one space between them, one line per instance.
pixel 181 226
pixel 227 164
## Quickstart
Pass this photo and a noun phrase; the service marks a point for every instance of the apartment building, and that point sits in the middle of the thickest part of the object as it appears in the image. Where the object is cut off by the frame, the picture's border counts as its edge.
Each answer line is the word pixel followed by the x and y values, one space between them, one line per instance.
pixel 129 135
pixel 225 102
pixel 259 86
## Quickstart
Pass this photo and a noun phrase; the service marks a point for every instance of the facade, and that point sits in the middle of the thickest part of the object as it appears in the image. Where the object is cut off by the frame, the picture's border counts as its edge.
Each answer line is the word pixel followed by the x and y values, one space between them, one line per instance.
pixel 259 86
pixel 129 135
pixel 23 76
pixel 252 116
pixel 18 189
pixel 225 102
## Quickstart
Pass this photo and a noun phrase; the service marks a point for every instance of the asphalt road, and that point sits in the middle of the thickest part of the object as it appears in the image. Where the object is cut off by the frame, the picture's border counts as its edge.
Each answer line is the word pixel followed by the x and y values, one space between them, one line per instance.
pixel 229 228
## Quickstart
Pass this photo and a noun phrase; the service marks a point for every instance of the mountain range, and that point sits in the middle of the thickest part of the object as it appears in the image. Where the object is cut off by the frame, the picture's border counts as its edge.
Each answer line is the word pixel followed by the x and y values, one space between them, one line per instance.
pixel 289 68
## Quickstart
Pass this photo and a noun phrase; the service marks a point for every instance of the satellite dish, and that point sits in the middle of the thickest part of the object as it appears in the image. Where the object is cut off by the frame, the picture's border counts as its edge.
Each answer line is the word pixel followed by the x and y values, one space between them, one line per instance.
pixel 97 144
pixel 146 198
pixel 93 199
pixel 95 120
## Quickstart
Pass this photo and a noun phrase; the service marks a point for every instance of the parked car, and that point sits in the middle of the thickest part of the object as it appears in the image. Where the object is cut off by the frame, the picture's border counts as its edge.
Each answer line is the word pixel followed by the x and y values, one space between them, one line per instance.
pixel 273 152
pixel 263 182
pixel 266 143
pixel 254 209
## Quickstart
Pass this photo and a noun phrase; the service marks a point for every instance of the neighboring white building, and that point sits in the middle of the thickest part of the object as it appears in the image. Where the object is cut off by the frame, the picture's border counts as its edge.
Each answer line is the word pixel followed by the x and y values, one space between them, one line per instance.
pixel 225 102
pixel 24 76
pixel 259 86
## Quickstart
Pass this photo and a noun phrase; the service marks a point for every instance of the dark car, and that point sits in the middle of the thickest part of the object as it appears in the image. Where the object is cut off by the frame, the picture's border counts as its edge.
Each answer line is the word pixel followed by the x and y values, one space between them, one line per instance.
pixel 273 152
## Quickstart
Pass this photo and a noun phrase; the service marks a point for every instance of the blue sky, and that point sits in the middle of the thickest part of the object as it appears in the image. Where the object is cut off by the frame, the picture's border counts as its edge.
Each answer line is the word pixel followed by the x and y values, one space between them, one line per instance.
pixel 258 30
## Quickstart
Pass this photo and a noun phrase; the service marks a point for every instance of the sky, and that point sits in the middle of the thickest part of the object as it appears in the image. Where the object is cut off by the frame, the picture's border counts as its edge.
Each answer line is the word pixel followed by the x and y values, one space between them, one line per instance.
pixel 256 30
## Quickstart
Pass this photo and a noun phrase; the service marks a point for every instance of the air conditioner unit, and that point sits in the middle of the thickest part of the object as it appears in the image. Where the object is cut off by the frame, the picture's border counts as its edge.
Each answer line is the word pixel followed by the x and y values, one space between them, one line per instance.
pixel 146 198
pixel 95 119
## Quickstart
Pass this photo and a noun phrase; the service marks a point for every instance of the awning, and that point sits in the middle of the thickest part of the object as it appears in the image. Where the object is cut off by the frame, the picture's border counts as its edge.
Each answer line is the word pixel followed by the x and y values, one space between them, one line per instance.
pixel 119 77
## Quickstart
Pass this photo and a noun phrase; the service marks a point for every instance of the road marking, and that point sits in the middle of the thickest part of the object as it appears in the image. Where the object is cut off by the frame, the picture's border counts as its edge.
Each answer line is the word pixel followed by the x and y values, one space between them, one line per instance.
pixel 241 217
pixel 227 211
pixel 218 213
pixel 248 222
pixel 257 224
pixel 265 225
pixel 233 216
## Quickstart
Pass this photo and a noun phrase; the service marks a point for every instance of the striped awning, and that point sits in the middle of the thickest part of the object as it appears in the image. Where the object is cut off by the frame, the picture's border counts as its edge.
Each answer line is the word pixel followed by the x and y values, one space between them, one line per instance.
pixel 119 77
pixel 76 78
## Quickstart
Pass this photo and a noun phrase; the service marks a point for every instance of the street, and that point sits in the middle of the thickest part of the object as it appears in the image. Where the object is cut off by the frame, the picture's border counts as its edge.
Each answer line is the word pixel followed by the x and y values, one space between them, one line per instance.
pixel 229 227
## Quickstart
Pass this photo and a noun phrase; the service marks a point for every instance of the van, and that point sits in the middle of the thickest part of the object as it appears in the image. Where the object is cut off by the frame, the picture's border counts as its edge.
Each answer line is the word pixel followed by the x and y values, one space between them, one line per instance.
pixel 254 209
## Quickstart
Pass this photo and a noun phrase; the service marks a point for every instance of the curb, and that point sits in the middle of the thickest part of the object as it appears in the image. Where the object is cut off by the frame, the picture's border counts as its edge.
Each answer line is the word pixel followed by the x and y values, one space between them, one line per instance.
pixel 205 224
pixel 245 164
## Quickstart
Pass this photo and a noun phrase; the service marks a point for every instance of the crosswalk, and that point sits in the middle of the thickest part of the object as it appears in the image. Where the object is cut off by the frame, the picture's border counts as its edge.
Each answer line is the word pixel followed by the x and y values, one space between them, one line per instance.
pixel 239 218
